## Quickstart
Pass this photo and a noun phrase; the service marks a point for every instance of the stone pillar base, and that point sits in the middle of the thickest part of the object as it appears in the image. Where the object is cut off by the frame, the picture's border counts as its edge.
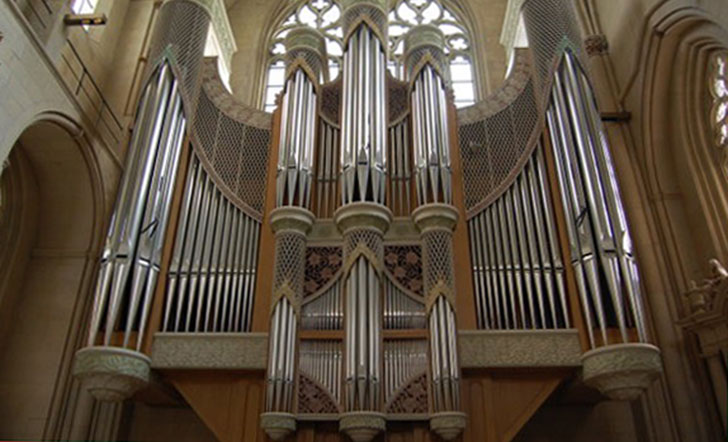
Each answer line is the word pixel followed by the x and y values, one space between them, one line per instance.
pixel 112 374
pixel 362 426
pixel 278 425
pixel 622 371
pixel 448 424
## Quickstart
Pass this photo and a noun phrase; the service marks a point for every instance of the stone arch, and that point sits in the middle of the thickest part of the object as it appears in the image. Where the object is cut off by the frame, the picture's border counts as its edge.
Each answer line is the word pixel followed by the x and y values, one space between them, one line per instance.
pixel 55 222
pixel 684 202
pixel 684 170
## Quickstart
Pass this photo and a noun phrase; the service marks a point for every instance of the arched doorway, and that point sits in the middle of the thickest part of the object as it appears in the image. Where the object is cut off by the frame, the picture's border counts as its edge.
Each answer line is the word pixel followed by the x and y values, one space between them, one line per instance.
pixel 49 216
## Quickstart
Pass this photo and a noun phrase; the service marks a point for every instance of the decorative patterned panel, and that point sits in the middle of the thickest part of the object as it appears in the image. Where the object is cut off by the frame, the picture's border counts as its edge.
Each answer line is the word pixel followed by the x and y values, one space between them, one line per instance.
pixel 322 264
pixel 404 263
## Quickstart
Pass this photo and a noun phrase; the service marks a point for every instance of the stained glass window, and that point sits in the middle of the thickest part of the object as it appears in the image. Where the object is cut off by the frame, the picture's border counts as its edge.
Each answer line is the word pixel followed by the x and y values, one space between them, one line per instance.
pixel 325 15
pixel 84 7
pixel 408 13
pixel 719 91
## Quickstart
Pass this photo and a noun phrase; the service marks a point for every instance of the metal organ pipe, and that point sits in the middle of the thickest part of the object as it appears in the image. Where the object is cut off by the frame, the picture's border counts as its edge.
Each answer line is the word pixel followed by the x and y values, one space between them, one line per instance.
pixel 292 219
pixel 435 217
pixel 518 271
pixel 131 257
pixel 212 272
pixel 364 123
pixel 602 253
pixel 132 253
pixel 363 218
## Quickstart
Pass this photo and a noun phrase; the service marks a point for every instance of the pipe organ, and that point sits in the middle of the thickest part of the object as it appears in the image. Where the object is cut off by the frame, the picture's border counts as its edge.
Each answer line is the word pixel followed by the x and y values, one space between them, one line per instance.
pixel 366 224
pixel 435 216
pixel 291 220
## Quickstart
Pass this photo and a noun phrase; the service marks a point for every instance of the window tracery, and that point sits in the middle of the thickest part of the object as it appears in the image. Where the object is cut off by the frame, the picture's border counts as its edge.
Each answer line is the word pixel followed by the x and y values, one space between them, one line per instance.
pixel 325 15
pixel 83 6
pixel 408 13
pixel 719 92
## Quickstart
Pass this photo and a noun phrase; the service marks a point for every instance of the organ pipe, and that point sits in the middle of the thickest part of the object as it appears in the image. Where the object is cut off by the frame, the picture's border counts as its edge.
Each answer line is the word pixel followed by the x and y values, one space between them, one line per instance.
pixel 435 217
pixel 363 218
pixel 211 280
pixel 536 298
pixel 596 228
pixel 292 219
pixel 601 246
pixel 131 257
pixel 364 110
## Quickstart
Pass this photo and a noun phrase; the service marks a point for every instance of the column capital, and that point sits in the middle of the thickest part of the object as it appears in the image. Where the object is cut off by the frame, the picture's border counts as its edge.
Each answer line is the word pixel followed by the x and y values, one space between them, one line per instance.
pixel 435 216
pixel 112 374
pixel 622 371
pixel 425 44
pixel 291 219
pixel 306 49
pixel 372 13
pixel 363 215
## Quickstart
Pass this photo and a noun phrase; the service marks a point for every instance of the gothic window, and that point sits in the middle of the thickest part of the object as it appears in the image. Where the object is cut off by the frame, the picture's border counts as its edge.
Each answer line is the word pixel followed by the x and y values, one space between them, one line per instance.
pixel 325 15
pixel 83 6
pixel 322 15
pixel 408 13
pixel 719 91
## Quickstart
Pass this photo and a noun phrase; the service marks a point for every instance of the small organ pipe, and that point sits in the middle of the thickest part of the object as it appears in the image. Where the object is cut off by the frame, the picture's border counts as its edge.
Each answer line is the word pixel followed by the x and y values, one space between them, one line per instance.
pixel 215 248
pixel 514 241
pixel 558 266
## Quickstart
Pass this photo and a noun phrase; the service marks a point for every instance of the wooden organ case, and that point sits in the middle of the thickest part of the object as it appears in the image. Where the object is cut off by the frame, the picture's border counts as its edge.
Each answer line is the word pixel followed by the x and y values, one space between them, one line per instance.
pixel 370 262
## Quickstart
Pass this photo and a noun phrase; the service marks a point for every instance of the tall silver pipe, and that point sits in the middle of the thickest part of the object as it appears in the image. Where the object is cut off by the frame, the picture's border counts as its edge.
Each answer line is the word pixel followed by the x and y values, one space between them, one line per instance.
pixel 605 168
pixel 558 266
pixel 580 137
pixel 292 219
pixel 581 237
pixel 435 217
pixel 595 192
pixel 363 218
pixel 131 257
